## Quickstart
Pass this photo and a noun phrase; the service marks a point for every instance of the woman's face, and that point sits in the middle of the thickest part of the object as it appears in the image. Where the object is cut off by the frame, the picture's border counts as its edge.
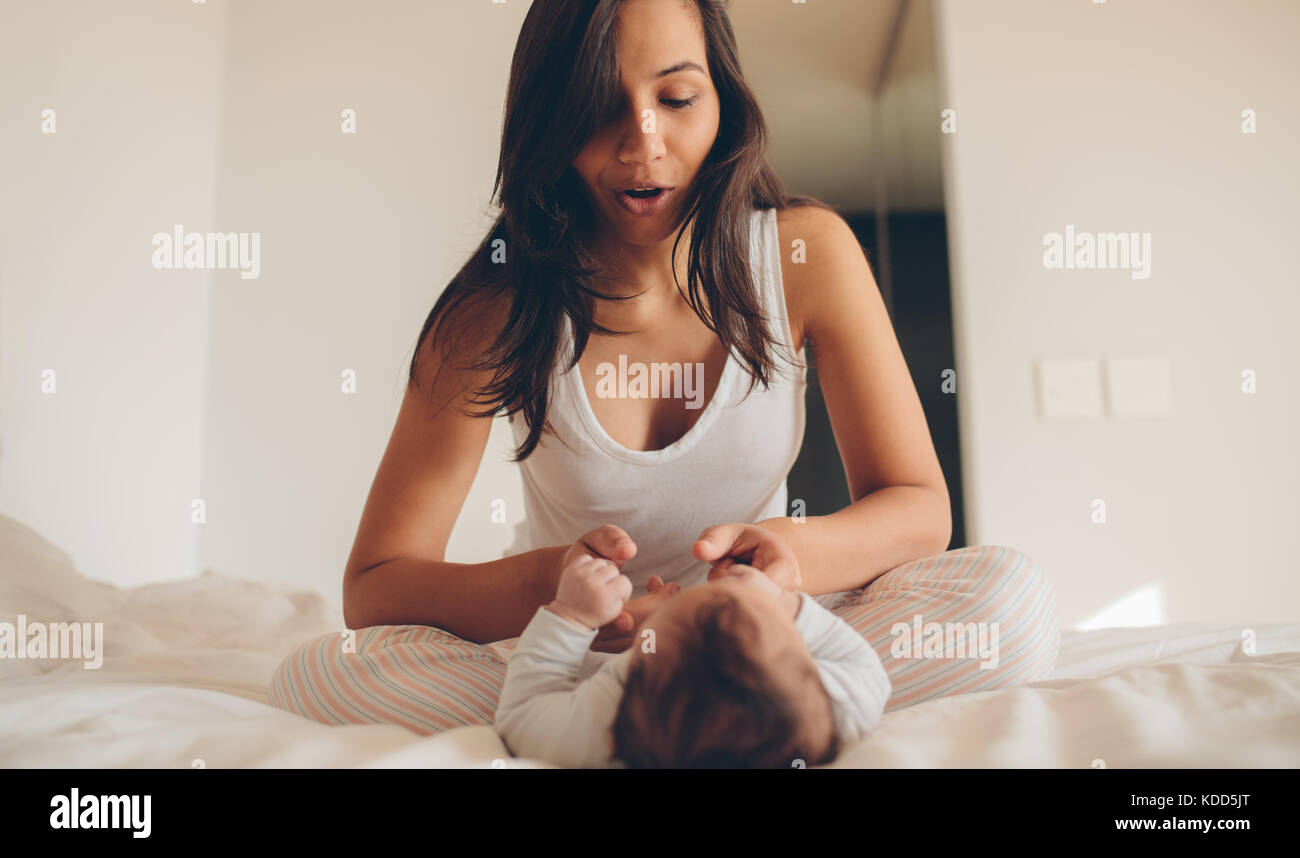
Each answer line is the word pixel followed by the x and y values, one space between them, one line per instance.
pixel 665 128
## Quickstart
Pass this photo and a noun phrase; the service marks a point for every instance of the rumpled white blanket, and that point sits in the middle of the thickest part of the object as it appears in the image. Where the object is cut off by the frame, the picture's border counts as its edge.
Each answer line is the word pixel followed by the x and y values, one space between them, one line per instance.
pixel 186 666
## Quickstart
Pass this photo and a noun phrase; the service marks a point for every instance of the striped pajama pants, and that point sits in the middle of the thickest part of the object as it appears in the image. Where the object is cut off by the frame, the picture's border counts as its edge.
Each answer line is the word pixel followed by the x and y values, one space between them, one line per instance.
pixel 428 680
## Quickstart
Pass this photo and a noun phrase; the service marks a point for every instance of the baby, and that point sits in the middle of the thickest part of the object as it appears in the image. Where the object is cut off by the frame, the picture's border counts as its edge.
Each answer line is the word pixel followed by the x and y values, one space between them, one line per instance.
pixel 735 673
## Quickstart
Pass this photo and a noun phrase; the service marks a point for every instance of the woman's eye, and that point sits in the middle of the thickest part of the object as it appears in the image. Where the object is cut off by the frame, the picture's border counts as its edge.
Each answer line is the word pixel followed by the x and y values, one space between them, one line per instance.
pixel 678 103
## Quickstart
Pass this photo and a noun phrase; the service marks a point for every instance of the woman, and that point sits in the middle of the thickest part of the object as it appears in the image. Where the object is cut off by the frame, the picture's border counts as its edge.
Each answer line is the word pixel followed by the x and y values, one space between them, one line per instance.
pixel 641 225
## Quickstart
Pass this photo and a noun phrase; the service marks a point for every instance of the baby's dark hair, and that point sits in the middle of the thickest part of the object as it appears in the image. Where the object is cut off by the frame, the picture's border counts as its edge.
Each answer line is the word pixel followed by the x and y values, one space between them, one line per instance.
pixel 715 706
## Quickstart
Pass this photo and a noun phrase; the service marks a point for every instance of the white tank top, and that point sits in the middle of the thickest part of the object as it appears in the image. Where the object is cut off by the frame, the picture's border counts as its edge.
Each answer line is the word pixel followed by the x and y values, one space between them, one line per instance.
pixel 731 466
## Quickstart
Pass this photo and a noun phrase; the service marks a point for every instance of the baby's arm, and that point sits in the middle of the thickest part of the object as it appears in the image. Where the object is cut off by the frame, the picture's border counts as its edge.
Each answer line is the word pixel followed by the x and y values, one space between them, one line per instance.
pixel 545 712
pixel 849 668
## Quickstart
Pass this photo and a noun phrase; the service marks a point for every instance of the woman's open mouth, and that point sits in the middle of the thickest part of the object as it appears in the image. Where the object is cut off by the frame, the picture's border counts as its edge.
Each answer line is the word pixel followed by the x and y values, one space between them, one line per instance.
pixel 644 201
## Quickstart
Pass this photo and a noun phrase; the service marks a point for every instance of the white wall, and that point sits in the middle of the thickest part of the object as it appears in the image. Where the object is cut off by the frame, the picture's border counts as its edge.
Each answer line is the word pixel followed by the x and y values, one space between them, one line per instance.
pixel 908 147
pixel 1125 116
pixel 360 232
pixel 107 464
pixel 813 66
pixel 176 385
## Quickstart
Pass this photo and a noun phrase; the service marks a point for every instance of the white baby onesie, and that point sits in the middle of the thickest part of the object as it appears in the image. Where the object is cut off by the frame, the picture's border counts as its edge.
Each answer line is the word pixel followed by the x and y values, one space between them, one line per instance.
pixel 559 699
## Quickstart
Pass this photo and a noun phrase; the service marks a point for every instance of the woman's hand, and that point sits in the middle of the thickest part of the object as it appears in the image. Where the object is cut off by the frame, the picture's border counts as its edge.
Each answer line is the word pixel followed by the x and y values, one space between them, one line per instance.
pixel 724 545
pixel 606 542
pixel 621 634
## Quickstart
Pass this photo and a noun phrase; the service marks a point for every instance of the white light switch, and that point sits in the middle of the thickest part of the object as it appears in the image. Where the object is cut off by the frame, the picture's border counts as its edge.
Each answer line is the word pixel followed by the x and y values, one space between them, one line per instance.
pixel 1069 388
pixel 1139 386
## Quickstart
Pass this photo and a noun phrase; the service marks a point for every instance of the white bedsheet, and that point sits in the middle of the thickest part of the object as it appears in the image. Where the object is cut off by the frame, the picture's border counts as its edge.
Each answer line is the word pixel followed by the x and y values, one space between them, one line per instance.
pixel 187 663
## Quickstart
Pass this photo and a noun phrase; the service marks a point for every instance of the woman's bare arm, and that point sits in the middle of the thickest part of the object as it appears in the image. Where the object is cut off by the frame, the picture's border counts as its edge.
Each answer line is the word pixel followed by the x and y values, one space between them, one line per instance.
pixel 480 602
pixel 900 509
pixel 396 573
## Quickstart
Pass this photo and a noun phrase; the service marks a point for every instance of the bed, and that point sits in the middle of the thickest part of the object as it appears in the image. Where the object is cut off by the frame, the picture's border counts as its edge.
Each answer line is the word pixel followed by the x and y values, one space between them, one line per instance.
pixel 186 665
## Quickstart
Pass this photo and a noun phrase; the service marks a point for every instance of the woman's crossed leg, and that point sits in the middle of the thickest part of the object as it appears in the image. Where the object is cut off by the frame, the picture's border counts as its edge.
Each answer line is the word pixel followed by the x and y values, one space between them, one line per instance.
pixel 971 619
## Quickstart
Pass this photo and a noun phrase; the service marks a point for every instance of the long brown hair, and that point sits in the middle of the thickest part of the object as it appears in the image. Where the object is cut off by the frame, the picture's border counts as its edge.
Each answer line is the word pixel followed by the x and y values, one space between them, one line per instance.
pixel 564 83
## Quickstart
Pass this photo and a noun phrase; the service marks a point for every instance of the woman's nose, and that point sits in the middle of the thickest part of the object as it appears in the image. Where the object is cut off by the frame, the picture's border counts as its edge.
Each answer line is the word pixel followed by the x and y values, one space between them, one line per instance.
pixel 642 141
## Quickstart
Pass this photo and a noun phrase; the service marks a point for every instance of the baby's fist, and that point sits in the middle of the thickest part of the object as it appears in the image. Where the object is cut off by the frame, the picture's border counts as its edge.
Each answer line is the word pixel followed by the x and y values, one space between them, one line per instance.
pixel 591 592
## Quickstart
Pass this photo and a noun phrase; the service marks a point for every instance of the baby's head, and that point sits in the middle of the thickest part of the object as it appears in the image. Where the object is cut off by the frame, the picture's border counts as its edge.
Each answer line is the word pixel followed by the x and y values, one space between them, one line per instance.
pixel 731 684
